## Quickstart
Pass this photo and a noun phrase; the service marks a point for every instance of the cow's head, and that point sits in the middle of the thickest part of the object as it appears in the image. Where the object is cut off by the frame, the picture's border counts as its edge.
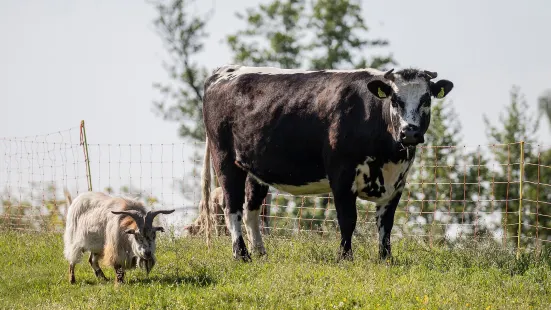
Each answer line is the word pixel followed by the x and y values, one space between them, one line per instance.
pixel 410 92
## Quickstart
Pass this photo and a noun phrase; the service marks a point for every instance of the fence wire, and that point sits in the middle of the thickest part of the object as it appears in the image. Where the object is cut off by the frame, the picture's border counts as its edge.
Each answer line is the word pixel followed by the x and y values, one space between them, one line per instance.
pixel 452 191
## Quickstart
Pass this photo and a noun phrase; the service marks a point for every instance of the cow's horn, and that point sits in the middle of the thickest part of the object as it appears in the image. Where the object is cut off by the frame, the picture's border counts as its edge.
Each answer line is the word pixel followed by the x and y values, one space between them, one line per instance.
pixel 432 75
pixel 389 75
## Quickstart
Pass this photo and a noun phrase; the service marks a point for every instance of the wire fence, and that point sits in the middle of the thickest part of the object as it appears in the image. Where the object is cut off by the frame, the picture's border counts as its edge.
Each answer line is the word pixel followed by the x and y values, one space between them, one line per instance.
pixel 453 192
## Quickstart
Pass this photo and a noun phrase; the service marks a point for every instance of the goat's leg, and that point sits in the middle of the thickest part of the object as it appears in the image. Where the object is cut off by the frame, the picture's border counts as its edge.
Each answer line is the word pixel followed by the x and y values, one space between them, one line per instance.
pixel 119 271
pixel 93 260
pixel 72 273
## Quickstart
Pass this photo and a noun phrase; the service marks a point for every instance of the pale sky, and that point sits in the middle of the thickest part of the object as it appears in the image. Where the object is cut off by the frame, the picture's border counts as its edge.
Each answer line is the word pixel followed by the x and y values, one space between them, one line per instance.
pixel 66 60
pixel 63 60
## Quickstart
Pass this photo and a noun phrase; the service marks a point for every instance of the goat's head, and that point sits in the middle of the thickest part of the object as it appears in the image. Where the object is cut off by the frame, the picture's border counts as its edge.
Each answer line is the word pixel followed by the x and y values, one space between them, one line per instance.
pixel 144 235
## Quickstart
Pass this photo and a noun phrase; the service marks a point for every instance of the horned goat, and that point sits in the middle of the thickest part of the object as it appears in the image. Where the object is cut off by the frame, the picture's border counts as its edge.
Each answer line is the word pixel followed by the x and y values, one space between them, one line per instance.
pixel 118 231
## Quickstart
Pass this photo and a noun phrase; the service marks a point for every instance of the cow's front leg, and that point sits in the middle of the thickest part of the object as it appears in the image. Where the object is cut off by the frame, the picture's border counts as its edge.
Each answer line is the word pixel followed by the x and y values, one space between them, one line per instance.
pixel 345 205
pixel 385 221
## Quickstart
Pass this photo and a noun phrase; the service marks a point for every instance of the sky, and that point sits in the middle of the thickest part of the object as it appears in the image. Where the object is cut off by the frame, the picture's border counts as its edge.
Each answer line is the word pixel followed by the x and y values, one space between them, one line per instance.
pixel 62 61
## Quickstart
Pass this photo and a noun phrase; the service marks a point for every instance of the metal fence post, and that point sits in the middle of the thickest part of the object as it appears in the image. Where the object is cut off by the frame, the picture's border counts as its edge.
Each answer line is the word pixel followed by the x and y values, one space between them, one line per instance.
pixel 521 179
pixel 84 144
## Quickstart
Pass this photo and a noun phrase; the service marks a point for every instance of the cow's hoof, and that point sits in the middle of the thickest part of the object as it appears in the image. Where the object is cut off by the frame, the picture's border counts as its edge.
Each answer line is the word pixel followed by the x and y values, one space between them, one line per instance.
pixel 240 250
pixel 346 256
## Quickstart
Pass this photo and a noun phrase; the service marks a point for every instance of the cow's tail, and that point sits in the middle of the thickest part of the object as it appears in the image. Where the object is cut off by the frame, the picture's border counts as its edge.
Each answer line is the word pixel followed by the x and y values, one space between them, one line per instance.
pixel 204 207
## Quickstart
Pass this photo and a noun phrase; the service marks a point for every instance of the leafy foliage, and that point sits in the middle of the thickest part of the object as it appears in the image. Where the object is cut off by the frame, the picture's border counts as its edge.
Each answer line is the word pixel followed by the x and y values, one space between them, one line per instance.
pixel 182 98
pixel 519 125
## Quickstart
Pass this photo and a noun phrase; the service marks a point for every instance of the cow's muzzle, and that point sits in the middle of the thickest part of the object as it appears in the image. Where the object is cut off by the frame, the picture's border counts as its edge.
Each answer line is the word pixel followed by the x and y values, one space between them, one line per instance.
pixel 411 135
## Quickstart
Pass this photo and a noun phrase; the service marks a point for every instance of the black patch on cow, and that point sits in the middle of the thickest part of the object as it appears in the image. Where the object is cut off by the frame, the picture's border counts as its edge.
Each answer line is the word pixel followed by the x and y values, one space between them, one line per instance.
pixel 211 79
pixel 230 70
pixel 410 74
pixel 424 100
pixel 285 128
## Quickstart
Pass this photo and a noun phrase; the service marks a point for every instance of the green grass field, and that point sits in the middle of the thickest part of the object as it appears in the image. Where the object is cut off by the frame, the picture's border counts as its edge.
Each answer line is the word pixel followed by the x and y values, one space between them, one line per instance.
pixel 300 273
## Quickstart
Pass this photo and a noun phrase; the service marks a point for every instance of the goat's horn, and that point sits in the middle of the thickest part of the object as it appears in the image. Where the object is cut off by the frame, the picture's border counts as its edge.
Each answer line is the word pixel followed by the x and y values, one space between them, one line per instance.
pixel 152 214
pixel 137 216
pixel 389 75
pixel 432 75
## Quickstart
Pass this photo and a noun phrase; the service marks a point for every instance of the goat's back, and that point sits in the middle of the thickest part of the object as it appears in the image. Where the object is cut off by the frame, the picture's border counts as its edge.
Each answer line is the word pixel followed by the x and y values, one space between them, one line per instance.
pixel 87 220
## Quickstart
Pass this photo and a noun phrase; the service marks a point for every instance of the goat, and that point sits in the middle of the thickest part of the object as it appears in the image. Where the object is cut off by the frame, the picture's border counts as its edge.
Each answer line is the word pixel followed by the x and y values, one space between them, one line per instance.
pixel 118 231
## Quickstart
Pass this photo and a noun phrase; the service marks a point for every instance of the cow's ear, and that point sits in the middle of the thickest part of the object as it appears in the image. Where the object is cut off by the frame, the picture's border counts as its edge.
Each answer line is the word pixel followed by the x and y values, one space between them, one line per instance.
pixel 379 88
pixel 441 88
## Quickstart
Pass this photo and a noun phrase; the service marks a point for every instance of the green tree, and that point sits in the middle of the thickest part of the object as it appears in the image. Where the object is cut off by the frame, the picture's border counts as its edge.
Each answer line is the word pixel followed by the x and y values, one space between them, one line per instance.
pixel 320 34
pixel 339 37
pixel 445 187
pixel 544 104
pixel 515 126
pixel 183 36
pixel 280 24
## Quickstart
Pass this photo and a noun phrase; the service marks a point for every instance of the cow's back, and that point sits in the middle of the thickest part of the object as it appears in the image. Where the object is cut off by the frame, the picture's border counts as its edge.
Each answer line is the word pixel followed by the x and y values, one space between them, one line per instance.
pixel 278 122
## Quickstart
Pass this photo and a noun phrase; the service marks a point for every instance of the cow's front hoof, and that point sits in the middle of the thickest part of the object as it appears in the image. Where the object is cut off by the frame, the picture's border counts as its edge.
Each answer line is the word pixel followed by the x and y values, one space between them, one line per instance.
pixel 240 250
pixel 346 255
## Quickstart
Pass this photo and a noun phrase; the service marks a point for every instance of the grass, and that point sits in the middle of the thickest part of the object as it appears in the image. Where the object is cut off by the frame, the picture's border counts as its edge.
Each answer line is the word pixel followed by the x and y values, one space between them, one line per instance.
pixel 299 273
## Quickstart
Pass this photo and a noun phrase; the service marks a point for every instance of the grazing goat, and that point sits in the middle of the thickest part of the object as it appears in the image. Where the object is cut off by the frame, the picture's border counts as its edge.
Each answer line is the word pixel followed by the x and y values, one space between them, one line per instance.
pixel 118 231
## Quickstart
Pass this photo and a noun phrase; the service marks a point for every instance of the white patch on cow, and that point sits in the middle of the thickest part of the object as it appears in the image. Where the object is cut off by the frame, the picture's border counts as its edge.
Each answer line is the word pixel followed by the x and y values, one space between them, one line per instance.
pixel 230 72
pixel 410 92
pixel 359 183
pixel 314 188
pixel 391 173
pixel 252 224
pixel 235 225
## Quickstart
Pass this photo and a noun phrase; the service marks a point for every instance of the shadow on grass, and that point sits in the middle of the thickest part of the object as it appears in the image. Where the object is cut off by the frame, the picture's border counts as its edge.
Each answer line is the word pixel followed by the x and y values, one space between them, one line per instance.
pixel 199 279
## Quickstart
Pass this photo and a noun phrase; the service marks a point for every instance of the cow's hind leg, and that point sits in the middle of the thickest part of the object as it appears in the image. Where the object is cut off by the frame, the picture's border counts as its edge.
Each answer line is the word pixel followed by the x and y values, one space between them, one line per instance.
pixel 93 260
pixel 232 180
pixel 385 222
pixel 255 194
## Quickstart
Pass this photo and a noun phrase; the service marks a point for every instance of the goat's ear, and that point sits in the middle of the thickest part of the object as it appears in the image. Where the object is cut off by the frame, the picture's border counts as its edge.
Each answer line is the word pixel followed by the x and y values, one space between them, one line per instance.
pixel 130 231
pixel 159 228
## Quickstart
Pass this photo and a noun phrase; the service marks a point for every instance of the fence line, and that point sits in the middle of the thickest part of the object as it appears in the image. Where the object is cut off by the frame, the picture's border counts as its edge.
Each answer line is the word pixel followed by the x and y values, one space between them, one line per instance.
pixel 497 190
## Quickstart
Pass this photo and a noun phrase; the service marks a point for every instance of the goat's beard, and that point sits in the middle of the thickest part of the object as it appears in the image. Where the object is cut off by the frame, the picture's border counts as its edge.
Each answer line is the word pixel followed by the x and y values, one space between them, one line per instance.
pixel 146 264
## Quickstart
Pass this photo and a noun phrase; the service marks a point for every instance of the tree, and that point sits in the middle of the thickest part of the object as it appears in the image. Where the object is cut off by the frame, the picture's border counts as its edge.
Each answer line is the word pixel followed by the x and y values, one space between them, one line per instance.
pixel 339 37
pixel 516 126
pixel 283 33
pixel 544 104
pixel 183 37
pixel 321 35
pixel 280 24
pixel 445 187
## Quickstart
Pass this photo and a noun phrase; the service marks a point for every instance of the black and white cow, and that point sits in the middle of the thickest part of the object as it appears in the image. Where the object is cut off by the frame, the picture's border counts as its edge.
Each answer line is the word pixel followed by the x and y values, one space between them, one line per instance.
pixel 349 132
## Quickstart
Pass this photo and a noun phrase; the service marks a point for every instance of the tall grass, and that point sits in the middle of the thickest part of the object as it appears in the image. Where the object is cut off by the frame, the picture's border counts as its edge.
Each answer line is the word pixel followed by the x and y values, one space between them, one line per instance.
pixel 298 273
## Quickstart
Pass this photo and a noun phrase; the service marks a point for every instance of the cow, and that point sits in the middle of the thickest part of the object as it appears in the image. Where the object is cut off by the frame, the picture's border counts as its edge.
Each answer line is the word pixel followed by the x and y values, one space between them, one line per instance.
pixel 352 133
